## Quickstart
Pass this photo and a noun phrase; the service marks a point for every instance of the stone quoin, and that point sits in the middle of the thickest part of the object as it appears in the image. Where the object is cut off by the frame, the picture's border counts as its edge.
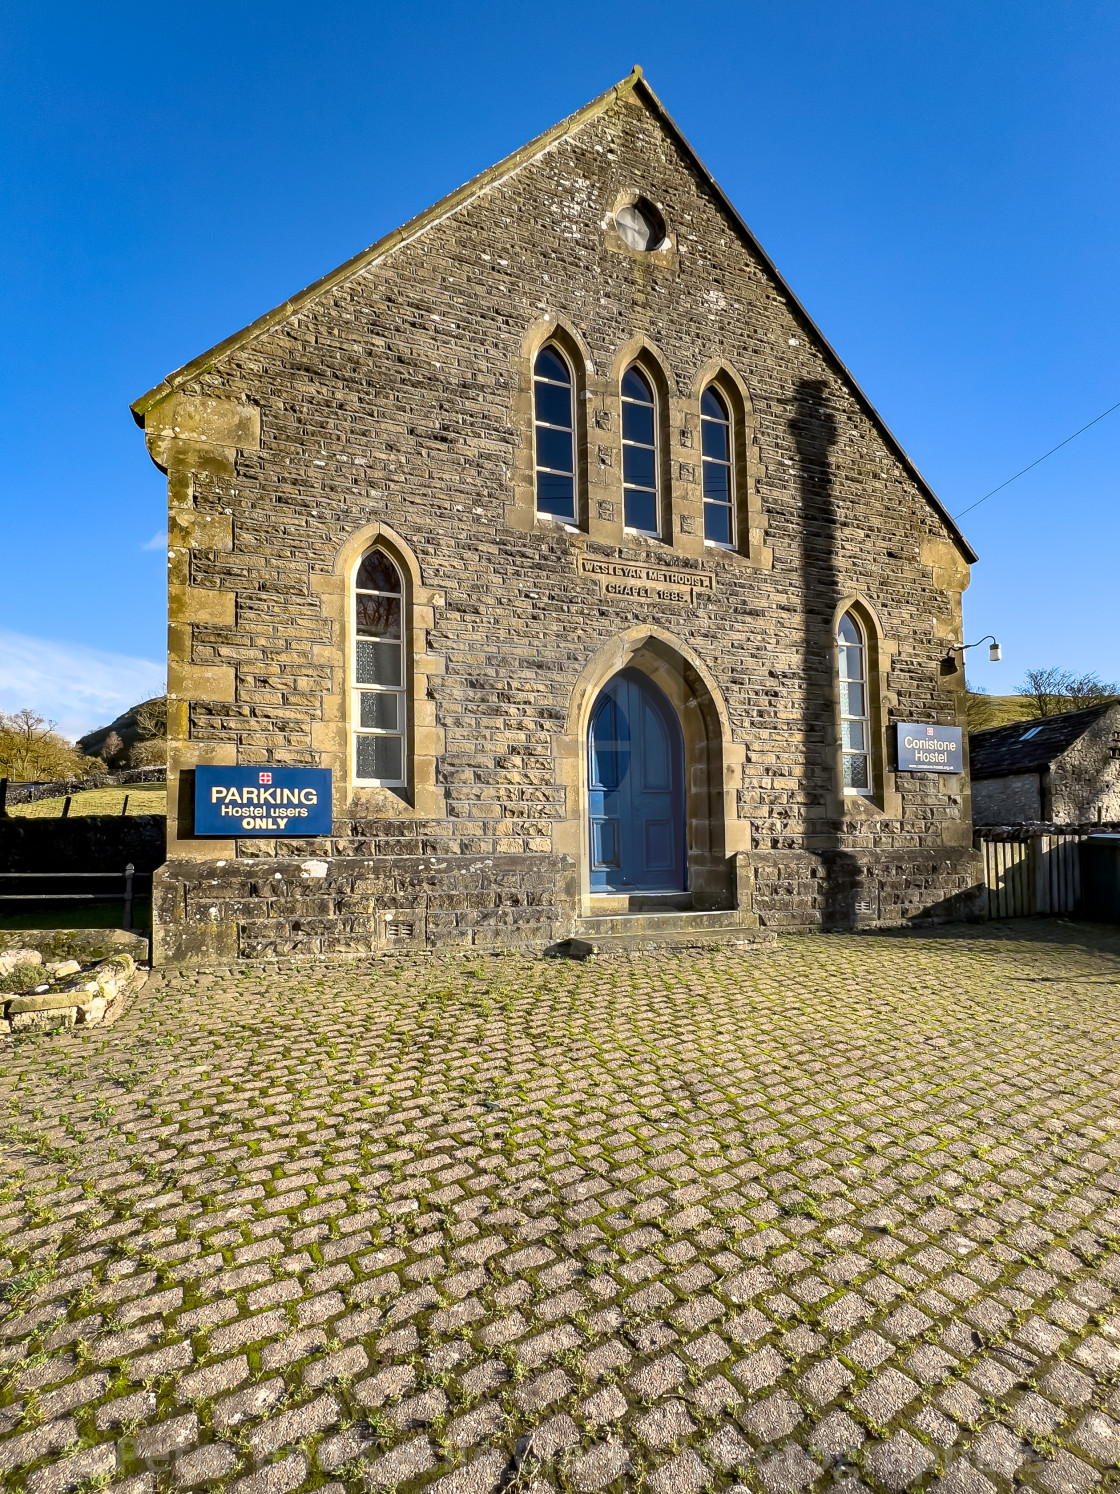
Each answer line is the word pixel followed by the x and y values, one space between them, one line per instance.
pixel 552 526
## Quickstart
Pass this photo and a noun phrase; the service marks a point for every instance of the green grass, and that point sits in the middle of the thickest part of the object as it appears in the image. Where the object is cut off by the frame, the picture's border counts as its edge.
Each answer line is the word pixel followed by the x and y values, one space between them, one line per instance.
pixel 143 798
pixel 69 915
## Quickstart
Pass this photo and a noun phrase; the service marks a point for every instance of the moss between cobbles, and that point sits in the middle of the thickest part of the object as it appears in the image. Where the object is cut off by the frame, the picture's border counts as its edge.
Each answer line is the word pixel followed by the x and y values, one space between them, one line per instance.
pixel 788 1096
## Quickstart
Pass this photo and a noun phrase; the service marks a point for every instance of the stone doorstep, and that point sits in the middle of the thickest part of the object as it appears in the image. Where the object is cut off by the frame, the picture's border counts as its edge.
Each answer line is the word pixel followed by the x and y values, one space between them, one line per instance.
pixel 582 948
pixel 653 924
pixel 691 929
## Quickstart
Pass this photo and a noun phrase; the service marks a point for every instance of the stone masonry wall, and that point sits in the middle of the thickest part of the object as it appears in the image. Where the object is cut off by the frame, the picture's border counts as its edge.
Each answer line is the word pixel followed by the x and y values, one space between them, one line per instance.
pixel 397 398
pixel 347 905
pixel 1014 800
pixel 1085 780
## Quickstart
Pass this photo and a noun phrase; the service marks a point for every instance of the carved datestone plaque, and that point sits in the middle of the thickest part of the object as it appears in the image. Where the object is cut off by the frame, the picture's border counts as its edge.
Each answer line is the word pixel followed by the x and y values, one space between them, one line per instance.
pixel 628 580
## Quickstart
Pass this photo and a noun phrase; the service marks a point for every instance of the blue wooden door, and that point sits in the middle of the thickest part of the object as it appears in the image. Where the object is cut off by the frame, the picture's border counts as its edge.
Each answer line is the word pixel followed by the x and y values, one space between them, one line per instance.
pixel 635 789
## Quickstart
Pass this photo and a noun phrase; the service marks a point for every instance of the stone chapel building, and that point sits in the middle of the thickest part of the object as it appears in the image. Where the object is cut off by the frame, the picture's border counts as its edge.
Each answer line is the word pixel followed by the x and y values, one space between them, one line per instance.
pixel 553 526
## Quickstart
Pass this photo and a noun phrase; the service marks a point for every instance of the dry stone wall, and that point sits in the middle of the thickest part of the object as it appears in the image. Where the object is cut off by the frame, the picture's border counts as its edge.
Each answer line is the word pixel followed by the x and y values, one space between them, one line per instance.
pixel 32 793
pixel 395 402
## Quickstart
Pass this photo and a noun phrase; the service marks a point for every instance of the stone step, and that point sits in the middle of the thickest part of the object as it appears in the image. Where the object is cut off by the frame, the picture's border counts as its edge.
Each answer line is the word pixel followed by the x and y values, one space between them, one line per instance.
pixel 610 903
pixel 679 929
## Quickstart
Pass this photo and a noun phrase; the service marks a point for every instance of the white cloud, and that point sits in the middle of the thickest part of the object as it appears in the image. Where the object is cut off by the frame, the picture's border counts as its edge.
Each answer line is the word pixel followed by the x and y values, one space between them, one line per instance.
pixel 77 686
pixel 157 541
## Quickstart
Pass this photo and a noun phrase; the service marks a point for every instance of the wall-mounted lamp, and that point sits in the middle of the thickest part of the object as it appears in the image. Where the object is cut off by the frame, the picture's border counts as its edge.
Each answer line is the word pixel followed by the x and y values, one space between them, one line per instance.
pixel 951 663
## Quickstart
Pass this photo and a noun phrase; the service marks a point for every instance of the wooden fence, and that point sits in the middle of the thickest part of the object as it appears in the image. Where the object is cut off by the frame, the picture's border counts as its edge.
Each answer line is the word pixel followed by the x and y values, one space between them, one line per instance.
pixel 1032 873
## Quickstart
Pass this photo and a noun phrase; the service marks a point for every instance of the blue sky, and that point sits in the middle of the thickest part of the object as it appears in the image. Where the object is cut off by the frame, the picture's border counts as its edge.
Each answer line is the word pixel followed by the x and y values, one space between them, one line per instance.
pixel 937 181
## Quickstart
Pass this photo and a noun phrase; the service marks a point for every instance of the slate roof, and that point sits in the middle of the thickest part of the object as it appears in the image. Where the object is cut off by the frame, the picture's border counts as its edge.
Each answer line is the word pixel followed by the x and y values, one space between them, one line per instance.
pixel 1001 752
pixel 637 84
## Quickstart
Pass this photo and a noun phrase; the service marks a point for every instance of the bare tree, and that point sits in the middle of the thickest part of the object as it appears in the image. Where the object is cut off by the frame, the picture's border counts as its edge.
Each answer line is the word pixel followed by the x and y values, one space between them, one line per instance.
pixel 31 748
pixel 111 748
pixel 1051 691
pixel 151 718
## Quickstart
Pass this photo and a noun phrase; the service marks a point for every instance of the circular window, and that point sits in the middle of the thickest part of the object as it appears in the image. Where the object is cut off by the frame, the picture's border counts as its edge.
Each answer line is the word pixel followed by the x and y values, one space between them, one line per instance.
pixel 640 225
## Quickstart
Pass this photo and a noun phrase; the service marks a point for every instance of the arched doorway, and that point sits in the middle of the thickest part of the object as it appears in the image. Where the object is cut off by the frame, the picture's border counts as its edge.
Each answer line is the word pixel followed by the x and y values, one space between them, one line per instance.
pixel 635 781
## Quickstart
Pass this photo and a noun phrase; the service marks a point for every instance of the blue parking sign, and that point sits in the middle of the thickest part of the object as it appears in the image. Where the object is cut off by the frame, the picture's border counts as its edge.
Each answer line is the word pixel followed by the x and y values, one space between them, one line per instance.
pixel 262 801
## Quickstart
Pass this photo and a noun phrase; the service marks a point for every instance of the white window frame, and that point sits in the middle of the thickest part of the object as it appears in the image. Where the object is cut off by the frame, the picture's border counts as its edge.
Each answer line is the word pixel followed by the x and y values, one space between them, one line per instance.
pixel 842 678
pixel 658 497
pixel 543 513
pixel 357 690
pixel 733 526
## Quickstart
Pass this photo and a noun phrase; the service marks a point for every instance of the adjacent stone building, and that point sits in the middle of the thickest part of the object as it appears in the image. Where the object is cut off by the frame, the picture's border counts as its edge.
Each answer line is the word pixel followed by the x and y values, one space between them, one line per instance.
pixel 555 528
pixel 1062 769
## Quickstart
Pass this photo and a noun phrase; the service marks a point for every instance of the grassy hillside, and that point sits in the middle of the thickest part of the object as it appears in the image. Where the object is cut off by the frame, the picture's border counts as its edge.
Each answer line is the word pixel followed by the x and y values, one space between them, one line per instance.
pixel 999 710
pixel 143 798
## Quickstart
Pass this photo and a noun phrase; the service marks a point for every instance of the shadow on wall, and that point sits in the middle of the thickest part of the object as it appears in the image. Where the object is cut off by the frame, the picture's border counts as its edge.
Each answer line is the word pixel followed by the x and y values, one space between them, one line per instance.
pixel 814 430
pixel 87 843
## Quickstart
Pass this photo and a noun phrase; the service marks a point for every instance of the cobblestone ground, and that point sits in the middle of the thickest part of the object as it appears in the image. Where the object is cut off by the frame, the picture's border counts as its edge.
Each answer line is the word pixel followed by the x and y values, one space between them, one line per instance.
pixel 841 1212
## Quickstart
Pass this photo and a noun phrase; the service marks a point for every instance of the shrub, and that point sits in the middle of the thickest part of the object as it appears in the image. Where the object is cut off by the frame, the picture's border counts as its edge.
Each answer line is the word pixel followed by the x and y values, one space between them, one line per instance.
pixel 148 754
pixel 32 750
pixel 21 978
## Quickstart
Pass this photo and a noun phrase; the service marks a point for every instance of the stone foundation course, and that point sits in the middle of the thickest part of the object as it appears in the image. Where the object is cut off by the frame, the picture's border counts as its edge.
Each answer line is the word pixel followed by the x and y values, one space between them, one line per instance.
pixel 329 900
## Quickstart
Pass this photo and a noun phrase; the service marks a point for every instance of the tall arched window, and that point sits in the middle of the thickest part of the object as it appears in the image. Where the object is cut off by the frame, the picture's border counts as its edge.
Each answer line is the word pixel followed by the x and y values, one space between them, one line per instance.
pixel 718 469
pixel 855 721
pixel 380 699
pixel 640 487
pixel 554 433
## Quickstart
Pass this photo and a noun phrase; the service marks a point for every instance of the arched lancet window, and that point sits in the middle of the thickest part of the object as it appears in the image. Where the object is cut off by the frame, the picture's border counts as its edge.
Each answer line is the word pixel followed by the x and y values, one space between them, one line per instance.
pixel 718 469
pixel 640 487
pixel 380 699
pixel 554 433
pixel 855 721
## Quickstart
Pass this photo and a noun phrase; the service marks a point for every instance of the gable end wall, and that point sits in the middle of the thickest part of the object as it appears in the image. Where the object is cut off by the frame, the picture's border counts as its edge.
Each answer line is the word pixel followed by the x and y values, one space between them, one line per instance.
pixel 399 398
pixel 1086 777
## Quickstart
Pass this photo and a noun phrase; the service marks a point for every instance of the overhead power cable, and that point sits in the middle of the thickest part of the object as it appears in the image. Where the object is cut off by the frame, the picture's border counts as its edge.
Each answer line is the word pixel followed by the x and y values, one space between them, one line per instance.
pixel 1036 461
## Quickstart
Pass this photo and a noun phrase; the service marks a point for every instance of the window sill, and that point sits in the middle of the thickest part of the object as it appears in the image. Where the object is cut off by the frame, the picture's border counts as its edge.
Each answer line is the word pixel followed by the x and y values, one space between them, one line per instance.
pixel 862 806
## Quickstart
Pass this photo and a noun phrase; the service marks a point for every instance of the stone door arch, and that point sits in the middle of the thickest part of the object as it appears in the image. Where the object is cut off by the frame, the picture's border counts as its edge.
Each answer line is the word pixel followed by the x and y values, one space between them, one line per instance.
pixel 713 761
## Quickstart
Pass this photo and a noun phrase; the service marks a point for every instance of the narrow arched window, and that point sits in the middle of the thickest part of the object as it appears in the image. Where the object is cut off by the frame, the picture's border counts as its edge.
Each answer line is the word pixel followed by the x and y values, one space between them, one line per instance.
pixel 640 487
pixel 379 701
pixel 718 469
pixel 855 722
pixel 554 432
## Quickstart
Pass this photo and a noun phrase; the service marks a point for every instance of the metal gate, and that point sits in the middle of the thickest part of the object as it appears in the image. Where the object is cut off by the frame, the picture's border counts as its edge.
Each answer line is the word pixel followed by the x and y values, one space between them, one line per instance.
pixel 1028 874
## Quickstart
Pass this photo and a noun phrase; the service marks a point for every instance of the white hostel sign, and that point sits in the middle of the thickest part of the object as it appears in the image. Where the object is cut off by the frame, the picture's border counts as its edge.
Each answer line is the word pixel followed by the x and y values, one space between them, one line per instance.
pixel 929 749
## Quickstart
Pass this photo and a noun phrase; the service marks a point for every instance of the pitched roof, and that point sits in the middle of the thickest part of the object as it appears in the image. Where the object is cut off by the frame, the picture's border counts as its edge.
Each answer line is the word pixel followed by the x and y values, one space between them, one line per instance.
pixel 635 83
pixel 1027 746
